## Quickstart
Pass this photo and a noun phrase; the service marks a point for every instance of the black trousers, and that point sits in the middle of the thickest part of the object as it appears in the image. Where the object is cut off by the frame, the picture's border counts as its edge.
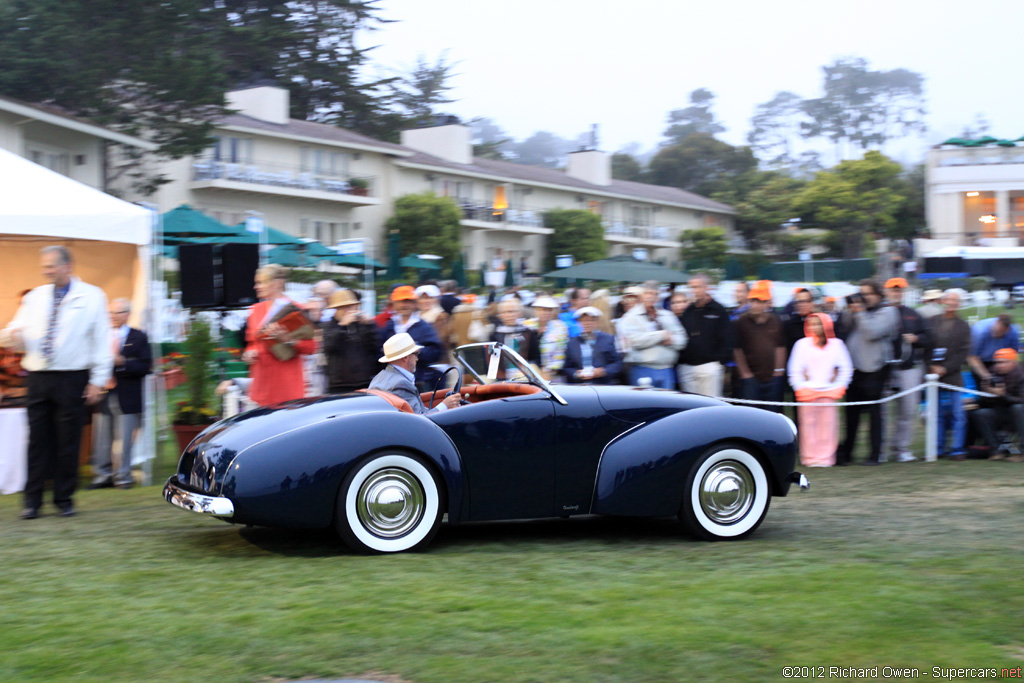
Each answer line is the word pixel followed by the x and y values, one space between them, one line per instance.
pixel 865 386
pixel 56 412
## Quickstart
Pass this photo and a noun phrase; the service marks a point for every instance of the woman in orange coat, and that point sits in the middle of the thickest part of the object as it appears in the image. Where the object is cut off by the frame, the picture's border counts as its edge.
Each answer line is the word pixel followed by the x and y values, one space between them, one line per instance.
pixel 273 380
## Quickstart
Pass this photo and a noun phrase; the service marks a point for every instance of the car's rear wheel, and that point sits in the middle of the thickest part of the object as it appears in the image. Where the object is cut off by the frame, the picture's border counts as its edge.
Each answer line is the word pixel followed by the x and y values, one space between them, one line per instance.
pixel 388 504
pixel 726 495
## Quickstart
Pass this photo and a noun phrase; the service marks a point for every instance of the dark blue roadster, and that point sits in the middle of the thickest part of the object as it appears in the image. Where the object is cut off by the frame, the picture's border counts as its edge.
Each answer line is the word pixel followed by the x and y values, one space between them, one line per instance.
pixel 518 449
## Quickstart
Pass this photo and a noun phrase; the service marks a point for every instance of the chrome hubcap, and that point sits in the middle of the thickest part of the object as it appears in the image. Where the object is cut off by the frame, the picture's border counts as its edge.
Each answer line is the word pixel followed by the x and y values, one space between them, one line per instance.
pixel 727 492
pixel 390 503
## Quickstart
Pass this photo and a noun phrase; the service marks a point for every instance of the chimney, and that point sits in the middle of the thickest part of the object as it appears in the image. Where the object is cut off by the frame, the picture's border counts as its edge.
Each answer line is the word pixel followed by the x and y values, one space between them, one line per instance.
pixel 590 165
pixel 266 103
pixel 450 142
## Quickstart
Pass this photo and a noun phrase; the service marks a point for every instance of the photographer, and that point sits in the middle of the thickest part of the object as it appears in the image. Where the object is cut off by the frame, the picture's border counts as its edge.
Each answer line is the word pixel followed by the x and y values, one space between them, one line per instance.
pixel 1006 381
pixel 870 328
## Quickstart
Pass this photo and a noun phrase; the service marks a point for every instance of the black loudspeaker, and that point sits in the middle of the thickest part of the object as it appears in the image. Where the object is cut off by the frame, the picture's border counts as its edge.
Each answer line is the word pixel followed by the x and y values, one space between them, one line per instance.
pixel 238 264
pixel 200 282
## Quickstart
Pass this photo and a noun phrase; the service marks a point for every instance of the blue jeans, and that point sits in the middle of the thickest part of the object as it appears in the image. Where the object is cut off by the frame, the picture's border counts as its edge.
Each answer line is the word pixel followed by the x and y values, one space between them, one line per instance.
pixel 951 415
pixel 752 390
pixel 664 378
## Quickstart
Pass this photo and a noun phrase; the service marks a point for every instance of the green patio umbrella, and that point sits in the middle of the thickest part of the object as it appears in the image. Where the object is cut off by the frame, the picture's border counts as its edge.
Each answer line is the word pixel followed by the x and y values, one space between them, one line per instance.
pixel 357 261
pixel 186 222
pixel 510 275
pixel 413 261
pixel 620 268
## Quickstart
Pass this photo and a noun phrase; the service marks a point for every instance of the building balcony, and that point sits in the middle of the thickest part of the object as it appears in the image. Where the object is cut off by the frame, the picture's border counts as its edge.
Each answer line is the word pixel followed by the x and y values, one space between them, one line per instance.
pixel 530 221
pixel 284 180
pixel 622 232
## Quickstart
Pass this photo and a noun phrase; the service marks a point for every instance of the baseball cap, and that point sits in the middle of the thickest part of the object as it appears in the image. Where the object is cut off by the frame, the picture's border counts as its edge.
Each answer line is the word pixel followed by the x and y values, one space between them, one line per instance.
pixel 896 282
pixel 427 290
pixel 1005 354
pixel 588 310
pixel 761 292
pixel 403 293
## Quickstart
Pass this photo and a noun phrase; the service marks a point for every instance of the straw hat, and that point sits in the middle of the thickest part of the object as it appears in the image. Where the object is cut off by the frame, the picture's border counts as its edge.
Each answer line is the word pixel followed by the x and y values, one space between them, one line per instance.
pixel 931 295
pixel 342 297
pixel 399 346
pixel 545 302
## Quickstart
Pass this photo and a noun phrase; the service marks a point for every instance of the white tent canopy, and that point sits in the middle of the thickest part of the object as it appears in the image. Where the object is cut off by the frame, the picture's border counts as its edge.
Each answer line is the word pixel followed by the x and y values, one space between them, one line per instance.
pixel 109 239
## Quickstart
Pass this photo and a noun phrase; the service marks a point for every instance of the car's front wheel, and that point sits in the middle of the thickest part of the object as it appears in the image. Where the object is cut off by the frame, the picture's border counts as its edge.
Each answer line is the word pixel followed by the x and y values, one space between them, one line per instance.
pixel 388 504
pixel 726 495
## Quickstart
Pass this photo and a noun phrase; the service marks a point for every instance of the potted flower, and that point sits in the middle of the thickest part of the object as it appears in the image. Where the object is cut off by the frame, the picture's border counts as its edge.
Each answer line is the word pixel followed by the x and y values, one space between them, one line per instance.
pixel 173 369
pixel 359 187
pixel 193 415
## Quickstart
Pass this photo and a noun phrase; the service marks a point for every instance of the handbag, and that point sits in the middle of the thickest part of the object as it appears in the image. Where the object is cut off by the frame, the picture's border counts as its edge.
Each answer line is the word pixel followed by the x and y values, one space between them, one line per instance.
pixel 299 327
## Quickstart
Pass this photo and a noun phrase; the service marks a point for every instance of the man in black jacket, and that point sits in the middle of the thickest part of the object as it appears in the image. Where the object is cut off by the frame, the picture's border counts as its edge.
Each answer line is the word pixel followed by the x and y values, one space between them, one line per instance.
pixel 907 372
pixel 710 341
pixel 119 413
pixel 350 345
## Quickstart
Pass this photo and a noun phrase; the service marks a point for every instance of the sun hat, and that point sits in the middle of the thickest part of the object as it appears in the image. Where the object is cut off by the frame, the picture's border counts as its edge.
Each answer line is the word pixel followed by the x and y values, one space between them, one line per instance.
pixel 427 290
pixel 1005 354
pixel 545 302
pixel 399 346
pixel 588 310
pixel 896 282
pixel 403 293
pixel 342 297
pixel 931 295
pixel 632 290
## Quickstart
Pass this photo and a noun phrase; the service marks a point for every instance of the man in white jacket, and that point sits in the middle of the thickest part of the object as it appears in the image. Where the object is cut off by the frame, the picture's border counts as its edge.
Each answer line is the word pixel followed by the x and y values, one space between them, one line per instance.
pixel 64 331
pixel 655 338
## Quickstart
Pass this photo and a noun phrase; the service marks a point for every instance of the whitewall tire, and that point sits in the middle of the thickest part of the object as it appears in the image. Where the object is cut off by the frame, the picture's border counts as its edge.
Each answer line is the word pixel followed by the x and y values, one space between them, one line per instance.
pixel 727 494
pixel 389 503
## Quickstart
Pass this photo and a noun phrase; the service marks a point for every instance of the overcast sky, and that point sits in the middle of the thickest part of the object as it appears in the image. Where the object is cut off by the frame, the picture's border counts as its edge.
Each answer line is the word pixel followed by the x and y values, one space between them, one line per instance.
pixel 561 65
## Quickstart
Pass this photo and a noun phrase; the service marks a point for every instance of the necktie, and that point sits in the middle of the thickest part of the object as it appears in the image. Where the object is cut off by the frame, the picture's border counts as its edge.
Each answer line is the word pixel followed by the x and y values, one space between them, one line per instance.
pixel 51 329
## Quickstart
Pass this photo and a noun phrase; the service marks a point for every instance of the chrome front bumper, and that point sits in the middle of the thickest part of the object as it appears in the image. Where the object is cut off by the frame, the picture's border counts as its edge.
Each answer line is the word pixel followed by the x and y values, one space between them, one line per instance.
pixel 197 502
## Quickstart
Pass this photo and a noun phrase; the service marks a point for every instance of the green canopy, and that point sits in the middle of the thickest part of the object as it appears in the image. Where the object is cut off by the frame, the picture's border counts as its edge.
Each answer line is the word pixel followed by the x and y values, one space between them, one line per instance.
pixel 356 261
pixel 417 262
pixel 619 268
pixel 510 274
pixel 185 221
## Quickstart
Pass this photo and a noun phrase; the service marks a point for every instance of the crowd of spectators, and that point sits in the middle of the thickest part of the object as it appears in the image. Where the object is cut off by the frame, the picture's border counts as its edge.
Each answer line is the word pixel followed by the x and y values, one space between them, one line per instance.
pixel 813 350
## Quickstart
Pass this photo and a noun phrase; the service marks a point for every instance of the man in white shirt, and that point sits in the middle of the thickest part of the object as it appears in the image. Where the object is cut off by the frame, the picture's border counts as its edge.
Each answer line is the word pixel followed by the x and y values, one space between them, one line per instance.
pixel 62 327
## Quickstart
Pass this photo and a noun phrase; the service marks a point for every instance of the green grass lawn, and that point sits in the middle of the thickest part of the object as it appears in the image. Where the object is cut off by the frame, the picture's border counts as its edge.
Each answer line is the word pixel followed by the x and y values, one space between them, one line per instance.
pixel 901 565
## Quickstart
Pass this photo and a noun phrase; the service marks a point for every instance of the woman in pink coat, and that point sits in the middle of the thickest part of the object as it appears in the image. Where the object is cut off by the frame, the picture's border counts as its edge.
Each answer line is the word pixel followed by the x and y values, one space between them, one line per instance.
pixel 819 372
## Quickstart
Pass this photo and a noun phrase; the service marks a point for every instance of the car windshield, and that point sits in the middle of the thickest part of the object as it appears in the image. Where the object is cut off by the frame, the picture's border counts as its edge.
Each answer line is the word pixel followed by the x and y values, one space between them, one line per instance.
pixel 493 362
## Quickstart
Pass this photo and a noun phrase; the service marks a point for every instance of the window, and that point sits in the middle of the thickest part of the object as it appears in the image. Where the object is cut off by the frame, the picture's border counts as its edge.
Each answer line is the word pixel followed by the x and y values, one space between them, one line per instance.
pixel 463 190
pixel 324 162
pixel 51 158
pixel 233 150
pixel 640 215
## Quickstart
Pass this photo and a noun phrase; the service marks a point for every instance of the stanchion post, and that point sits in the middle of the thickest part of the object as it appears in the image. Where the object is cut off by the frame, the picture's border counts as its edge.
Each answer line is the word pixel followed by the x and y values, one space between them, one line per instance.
pixel 232 399
pixel 931 421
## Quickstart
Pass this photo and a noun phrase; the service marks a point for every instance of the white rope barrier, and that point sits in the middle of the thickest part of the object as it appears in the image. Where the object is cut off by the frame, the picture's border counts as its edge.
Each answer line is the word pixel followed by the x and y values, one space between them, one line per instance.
pixel 931 388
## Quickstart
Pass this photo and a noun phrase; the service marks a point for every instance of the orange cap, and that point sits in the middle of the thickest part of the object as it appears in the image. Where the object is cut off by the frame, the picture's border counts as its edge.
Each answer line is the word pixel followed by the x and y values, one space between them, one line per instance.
pixel 896 282
pixel 760 292
pixel 830 299
pixel 405 292
pixel 1005 354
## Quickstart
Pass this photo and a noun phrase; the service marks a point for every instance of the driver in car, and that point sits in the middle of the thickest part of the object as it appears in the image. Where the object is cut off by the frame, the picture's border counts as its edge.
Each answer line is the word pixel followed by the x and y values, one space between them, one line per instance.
pixel 400 355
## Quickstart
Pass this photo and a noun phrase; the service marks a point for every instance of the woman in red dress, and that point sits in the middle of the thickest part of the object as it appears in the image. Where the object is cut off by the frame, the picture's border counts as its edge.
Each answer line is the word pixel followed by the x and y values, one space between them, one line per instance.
pixel 273 380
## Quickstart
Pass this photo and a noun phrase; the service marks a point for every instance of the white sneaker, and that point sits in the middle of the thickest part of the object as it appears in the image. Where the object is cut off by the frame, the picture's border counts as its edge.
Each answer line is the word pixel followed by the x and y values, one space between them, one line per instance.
pixel 906 456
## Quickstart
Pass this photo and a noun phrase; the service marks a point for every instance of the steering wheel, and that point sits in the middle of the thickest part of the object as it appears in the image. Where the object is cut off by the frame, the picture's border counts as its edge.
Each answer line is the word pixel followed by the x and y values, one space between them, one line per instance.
pixel 457 389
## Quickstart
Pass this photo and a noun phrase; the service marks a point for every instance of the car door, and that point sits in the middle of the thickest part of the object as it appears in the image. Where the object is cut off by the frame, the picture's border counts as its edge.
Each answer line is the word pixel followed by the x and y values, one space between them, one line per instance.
pixel 508 455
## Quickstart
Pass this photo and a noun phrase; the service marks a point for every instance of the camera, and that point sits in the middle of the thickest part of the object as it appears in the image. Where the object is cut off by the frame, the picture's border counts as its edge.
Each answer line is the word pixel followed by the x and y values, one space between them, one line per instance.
pixel 938 356
pixel 856 298
pixel 995 381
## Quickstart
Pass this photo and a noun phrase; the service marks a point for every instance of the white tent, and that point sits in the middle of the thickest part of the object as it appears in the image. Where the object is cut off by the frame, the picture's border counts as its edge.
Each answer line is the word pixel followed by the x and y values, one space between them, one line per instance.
pixel 109 238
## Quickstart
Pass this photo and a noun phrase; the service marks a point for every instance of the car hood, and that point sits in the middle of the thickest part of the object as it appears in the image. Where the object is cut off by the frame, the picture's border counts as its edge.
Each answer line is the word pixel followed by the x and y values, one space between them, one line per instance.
pixel 634 404
pixel 206 460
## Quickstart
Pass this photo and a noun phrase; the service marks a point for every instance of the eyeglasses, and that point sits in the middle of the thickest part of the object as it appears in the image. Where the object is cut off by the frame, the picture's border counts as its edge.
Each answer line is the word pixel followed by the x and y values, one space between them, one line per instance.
pixel 118 312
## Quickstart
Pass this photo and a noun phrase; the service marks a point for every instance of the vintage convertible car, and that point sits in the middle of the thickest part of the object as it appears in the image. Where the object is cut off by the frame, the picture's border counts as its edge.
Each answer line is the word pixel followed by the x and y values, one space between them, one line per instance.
pixel 518 449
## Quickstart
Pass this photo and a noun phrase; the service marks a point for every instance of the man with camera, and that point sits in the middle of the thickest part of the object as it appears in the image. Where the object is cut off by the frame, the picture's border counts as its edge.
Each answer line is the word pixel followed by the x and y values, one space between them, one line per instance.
pixel 907 372
pixel 1006 381
pixel 869 328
